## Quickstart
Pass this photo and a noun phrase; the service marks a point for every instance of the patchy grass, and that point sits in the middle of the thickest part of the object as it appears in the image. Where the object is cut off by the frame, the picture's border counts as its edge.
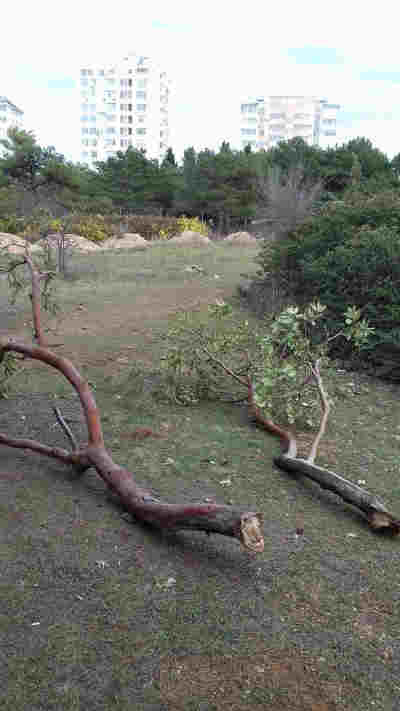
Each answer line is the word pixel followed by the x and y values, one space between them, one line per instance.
pixel 100 612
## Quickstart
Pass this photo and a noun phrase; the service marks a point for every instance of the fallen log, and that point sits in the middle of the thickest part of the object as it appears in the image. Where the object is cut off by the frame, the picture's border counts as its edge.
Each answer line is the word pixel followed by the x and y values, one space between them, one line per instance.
pixel 373 508
pixel 370 506
pixel 245 526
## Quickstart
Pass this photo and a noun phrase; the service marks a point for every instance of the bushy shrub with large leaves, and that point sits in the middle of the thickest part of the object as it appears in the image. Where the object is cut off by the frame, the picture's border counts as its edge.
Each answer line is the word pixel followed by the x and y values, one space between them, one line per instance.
pixel 211 355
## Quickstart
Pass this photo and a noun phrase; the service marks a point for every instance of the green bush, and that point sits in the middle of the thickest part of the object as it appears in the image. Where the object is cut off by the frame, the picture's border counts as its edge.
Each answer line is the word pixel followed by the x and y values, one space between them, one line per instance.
pixel 95 228
pixel 11 224
pixel 151 227
pixel 347 254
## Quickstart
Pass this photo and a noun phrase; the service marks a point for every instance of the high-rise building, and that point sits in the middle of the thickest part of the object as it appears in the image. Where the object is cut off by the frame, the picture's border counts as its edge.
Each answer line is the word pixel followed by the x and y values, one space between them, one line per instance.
pixel 10 117
pixel 266 121
pixel 123 104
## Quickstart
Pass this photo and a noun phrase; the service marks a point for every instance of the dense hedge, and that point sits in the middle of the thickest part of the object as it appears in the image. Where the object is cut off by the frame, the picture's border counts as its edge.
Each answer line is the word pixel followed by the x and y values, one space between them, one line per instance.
pixel 348 254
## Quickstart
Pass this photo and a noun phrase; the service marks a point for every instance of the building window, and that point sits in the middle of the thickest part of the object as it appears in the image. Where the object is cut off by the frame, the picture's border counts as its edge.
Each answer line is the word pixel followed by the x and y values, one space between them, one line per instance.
pixel 249 131
pixel 329 133
pixel 329 122
pixel 84 118
pixel 93 131
pixel 248 108
pixel 141 95
pixel 110 129
pixel 140 131
pixel 84 82
pixel 141 83
pixel 140 107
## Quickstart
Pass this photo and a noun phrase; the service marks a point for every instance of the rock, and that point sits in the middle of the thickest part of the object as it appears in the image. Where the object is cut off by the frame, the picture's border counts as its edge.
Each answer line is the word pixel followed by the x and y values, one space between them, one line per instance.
pixel 12 243
pixel 238 238
pixel 190 238
pixel 127 240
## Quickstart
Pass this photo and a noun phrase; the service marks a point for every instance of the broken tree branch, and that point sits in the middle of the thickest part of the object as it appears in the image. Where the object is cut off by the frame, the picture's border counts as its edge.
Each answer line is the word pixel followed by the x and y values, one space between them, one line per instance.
pixel 371 506
pixel 245 526
pixel 325 411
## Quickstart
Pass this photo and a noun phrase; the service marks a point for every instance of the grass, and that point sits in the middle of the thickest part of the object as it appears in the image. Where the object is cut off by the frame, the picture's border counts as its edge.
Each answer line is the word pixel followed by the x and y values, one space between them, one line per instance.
pixel 130 618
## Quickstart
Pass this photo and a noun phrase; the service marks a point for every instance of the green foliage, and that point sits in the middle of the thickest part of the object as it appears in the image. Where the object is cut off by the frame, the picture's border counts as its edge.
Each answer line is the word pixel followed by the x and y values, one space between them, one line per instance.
pixel 190 373
pixel 151 227
pixel 39 171
pixel 11 224
pixel 93 227
pixel 347 254
pixel 204 353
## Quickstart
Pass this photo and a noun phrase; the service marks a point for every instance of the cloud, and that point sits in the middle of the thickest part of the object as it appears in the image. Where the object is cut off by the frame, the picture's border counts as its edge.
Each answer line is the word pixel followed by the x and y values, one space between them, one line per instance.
pixel 62 83
pixel 380 75
pixel 315 55
pixel 216 55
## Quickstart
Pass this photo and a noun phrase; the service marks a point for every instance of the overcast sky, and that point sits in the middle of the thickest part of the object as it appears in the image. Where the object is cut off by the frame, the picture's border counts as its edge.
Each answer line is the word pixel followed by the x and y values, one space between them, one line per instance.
pixel 216 55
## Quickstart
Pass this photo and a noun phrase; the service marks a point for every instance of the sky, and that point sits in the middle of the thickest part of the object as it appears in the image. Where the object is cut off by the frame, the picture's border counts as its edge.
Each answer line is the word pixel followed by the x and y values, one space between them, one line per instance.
pixel 216 55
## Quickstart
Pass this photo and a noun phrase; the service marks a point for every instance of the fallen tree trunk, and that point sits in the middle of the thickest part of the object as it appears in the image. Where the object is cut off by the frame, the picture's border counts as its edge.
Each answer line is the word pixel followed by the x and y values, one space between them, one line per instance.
pixel 245 526
pixel 211 518
pixel 375 510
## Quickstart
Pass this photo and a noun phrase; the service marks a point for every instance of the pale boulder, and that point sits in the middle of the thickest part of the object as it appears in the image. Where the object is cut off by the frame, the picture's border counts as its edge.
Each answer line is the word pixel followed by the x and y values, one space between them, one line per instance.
pixel 188 238
pixel 239 238
pixel 127 240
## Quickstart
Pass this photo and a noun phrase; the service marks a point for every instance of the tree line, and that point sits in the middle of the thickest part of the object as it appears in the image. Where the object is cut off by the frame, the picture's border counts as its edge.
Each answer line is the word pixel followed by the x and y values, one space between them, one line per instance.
pixel 222 187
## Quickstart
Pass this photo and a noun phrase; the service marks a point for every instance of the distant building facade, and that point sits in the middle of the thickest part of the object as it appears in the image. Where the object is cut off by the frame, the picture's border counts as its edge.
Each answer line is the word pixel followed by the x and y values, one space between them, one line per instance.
pixel 266 121
pixel 123 104
pixel 10 117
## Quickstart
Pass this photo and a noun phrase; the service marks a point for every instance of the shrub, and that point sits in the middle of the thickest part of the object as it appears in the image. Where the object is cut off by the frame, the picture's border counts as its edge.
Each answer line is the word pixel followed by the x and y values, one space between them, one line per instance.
pixel 192 224
pixel 347 254
pixel 93 227
pixel 364 271
pixel 151 227
pixel 11 224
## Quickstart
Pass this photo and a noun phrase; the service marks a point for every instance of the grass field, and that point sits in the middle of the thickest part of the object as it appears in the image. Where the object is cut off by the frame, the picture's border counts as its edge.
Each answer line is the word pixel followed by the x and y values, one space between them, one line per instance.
pixel 99 612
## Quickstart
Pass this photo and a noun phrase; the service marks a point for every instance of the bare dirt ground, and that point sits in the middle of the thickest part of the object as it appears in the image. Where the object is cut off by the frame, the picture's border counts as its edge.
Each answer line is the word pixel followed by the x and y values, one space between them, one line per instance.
pixel 99 612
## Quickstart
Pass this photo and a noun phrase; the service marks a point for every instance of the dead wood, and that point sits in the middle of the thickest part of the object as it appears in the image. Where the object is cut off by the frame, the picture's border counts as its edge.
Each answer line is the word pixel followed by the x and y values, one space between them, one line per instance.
pixel 375 510
pixel 141 503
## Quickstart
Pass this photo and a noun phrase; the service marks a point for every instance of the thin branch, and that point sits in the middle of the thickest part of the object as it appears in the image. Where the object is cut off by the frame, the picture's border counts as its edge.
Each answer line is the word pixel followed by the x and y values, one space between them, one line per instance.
pixel 64 366
pixel 286 436
pixel 222 365
pixel 325 411
pixel 35 297
pixel 76 459
pixel 66 428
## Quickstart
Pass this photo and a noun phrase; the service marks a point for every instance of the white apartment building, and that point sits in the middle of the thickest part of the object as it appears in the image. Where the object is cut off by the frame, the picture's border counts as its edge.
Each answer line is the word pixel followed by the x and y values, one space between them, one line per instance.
pixel 10 117
pixel 123 104
pixel 266 121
